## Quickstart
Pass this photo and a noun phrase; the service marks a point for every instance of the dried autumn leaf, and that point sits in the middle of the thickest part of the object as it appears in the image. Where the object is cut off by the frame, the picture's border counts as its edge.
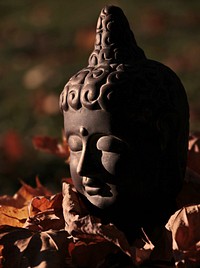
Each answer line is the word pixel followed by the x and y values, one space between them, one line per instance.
pixel 14 209
pixel 45 213
pixel 38 190
pixel 24 195
pixel 23 248
pixel 90 254
pixel 1 257
pixel 52 145
pixel 13 216
pixel 43 203
pixel 81 225
pixel 44 221
pixel 184 226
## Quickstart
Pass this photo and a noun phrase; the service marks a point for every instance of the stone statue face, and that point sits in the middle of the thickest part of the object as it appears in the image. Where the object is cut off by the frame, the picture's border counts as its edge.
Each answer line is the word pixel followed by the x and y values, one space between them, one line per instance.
pixel 112 165
pixel 97 155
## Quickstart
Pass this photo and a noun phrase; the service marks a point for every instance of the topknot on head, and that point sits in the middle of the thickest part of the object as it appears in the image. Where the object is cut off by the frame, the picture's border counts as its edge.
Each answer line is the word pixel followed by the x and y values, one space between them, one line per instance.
pixel 115 42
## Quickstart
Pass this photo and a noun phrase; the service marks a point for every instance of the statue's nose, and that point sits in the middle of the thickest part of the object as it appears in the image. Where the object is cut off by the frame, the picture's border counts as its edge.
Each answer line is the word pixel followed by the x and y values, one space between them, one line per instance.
pixel 85 164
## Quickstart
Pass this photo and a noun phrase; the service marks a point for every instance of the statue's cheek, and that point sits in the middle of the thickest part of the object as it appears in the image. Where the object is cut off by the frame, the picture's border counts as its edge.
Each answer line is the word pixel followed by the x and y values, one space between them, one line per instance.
pixel 74 161
pixel 111 162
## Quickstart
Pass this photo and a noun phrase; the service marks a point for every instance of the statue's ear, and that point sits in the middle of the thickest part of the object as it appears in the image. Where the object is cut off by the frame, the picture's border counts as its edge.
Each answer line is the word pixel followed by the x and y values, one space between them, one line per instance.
pixel 167 127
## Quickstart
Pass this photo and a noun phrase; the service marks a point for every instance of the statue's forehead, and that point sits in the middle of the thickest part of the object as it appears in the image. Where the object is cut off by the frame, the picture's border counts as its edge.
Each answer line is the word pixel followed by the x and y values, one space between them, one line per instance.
pixel 93 120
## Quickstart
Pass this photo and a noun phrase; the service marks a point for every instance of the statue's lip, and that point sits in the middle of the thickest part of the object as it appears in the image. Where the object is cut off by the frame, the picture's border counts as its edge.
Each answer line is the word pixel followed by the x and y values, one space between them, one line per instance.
pixel 92 190
pixel 92 186
pixel 92 182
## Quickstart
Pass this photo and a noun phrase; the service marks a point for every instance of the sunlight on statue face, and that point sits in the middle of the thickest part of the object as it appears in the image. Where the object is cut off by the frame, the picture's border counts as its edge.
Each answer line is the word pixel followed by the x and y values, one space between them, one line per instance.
pixel 96 155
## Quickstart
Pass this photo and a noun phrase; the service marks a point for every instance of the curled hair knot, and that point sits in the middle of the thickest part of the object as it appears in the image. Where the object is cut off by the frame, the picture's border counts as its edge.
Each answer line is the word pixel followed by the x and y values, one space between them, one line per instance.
pixel 79 78
pixel 73 96
pixel 89 97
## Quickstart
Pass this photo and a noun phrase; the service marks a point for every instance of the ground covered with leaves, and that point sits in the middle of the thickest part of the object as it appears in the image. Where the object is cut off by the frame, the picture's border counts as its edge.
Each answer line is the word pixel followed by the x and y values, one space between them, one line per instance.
pixel 42 229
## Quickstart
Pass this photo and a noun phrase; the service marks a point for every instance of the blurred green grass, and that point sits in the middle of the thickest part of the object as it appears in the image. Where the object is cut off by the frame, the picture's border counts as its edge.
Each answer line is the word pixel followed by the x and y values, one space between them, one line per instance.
pixel 43 43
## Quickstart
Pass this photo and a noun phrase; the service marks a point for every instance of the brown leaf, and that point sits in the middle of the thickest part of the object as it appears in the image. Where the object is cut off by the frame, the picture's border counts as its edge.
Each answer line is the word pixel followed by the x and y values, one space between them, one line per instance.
pixel 24 195
pixel 46 220
pixel 24 248
pixel 91 254
pixel 51 145
pixel 14 209
pixel 1 257
pixel 11 253
pixel 43 203
pixel 45 213
pixel 184 226
pixel 84 227
pixel 13 216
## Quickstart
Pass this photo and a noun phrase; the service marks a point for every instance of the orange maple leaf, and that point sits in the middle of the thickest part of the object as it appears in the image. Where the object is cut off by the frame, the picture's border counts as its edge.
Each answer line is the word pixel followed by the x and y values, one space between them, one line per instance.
pixel 52 145
pixel 23 196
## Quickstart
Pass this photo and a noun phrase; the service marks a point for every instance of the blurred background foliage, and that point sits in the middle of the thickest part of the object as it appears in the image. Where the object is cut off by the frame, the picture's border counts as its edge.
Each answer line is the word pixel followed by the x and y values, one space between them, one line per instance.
pixel 43 43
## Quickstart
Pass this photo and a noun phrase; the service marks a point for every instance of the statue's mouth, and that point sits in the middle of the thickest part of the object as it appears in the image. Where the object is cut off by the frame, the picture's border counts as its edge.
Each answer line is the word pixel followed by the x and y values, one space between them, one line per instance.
pixel 92 186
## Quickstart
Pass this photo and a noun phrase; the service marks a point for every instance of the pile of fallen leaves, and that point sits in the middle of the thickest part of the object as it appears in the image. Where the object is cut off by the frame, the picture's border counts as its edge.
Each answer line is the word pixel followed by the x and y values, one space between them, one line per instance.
pixel 41 229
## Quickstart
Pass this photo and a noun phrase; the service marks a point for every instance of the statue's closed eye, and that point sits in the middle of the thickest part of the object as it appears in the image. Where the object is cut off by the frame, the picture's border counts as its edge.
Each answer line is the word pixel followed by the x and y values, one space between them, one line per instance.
pixel 110 144
pixel 75 143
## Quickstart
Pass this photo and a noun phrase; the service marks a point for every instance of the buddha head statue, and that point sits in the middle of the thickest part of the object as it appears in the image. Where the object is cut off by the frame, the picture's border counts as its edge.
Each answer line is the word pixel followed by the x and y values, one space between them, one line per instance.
pixel 126 120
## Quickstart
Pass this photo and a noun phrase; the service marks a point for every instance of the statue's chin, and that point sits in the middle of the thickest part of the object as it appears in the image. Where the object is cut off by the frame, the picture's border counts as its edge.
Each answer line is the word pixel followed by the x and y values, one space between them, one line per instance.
pixel 98 199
